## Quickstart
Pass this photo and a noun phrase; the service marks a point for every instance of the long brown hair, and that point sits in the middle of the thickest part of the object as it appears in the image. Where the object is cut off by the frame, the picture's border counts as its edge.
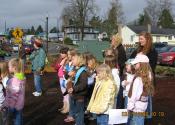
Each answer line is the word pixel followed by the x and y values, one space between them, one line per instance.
pixel 4 69
pixel 148 46
pixel 146 75
pixel 110 61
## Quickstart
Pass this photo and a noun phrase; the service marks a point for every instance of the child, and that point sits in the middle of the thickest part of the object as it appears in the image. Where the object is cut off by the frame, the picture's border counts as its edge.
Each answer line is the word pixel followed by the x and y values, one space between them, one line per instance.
pixel 92 64
pixel 79 89
pixel 111 62
pixel 3 81
pixel 103 95
pixel 4 73
pixel 61 75
pixel 140 88
pixel 109 52
pixel 69 69
pixel 128 80
pixel 15 91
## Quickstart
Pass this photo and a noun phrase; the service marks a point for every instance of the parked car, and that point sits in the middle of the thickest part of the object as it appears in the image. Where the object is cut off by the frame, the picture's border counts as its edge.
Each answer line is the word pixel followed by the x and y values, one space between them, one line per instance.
pixel 165 49
pixel 167 58
pixel 159 45
pixel 15 48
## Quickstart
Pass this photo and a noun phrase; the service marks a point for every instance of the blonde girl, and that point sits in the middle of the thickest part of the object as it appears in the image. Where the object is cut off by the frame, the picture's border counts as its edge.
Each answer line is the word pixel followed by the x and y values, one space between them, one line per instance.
pixel 103 95
pixel 140 89
pixel 79 88
pixel 15 91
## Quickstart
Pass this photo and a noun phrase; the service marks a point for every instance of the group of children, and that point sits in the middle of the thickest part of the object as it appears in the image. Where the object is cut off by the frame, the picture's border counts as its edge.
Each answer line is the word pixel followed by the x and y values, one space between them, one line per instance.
pixel 12 92
pixel 91 87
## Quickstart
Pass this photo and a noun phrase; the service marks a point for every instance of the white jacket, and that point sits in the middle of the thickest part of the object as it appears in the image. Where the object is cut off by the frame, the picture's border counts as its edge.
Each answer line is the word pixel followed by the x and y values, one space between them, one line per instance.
pixel 115 73
pixel 129 78
pixel 2 98
pixel 134 103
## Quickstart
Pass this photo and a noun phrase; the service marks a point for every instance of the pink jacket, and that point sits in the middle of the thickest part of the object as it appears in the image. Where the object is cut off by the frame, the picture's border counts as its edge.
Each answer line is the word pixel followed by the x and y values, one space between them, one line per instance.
pixel 15 93
pixel 60 70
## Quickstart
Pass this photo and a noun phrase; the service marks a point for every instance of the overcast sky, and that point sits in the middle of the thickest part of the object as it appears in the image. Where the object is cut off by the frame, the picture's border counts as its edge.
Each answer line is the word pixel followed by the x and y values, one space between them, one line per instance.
pixel 25 13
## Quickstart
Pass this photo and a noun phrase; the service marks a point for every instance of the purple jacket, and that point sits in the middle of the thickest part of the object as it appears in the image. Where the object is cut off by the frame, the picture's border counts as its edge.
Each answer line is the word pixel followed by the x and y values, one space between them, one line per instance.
pixel 15 92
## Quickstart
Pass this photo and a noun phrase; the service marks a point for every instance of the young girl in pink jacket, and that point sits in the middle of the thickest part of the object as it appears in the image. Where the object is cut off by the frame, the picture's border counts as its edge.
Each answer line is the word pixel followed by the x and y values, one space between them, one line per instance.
pixel 15 91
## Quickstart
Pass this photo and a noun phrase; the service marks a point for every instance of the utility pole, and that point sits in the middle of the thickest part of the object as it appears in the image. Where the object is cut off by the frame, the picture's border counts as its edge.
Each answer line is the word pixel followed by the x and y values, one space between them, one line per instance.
pixel 47 38
pixel 5 26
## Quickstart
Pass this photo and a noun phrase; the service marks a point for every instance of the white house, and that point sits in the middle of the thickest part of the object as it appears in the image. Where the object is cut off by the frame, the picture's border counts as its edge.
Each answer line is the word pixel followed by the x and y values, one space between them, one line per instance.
pixel 73 32
pixel 130 34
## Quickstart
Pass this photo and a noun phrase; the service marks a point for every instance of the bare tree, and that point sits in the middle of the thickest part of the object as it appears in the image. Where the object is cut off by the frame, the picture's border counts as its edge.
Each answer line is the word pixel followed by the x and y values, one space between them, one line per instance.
pixel 78 11
pixel 155 8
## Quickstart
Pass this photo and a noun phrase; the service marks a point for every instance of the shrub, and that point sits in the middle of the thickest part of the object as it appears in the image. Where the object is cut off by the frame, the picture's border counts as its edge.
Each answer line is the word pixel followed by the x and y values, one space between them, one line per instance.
pixel 68 41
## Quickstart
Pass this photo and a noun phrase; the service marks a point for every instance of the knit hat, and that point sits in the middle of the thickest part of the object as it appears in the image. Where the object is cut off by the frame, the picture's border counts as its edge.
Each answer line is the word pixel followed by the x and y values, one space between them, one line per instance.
pixel 140 58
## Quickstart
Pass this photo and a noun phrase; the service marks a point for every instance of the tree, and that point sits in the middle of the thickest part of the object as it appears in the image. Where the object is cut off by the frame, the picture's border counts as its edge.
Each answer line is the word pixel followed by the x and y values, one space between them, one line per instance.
pixel 39 30
pixel 155 8
pixel 115 17
pixel 166 19
pixel 95 22
pixel 54 30
pixel 144 19
pixel 32 31
pixel 79 11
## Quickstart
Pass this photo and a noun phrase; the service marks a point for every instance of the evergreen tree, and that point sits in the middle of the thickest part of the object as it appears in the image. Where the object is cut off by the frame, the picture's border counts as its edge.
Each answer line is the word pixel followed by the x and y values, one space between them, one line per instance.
pixel 166 19
pixel 32 31
pixel 54 30
pixel 39 30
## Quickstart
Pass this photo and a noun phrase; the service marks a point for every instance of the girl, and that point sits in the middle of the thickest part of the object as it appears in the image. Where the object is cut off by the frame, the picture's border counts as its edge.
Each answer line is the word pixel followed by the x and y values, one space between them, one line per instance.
pixel 4 73
pixel 109 52
pixel 69 69
pixel 61 75
pixel 111 62
pixel 103 94
pixel 128 80
pixel 15 91
pixel 92 64
pixel 3 80
pixel 79 89
pixel 140 88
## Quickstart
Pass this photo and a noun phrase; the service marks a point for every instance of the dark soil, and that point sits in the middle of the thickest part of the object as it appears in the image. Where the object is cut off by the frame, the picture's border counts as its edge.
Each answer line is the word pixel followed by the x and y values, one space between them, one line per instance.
pixel 44 110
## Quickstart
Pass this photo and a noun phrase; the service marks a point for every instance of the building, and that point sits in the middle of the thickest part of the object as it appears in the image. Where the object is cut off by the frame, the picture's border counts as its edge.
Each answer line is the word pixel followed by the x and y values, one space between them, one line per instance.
pixel 130 34
pixel 73 32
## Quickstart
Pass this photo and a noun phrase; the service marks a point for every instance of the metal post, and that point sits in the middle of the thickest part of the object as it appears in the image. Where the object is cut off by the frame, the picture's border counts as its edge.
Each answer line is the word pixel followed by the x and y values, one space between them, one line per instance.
pixel 47 34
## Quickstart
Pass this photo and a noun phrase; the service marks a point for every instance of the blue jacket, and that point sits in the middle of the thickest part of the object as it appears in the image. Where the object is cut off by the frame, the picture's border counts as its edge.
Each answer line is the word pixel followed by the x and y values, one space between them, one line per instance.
pixel 38 58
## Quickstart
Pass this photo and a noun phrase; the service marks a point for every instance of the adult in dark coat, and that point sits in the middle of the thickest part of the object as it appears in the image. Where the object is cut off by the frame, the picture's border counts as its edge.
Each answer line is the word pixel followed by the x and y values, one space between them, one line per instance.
pixel 120 53
pixel 145 46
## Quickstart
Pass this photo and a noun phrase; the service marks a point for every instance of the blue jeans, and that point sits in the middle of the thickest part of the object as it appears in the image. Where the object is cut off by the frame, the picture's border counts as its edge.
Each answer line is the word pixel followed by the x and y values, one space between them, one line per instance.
pixel 102 119
pixel 135 120
pixel 71 106
pixel 149 108
pixel 126 102
pixel 79 112
pixel 16 116
pixel 37 82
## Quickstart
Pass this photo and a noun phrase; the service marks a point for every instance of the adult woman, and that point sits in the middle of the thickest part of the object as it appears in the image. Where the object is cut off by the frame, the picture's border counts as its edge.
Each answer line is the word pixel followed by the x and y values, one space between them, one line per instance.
pixel 38 57
pixel 146 47
pixel 116 45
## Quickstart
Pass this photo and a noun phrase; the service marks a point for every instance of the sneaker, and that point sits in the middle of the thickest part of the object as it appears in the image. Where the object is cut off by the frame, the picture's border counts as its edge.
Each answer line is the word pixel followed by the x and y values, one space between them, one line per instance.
pixel 37 94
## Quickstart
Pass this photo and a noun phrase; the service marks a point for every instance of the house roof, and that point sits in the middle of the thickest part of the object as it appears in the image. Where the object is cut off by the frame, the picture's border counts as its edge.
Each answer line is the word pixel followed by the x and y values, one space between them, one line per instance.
pixel 154 30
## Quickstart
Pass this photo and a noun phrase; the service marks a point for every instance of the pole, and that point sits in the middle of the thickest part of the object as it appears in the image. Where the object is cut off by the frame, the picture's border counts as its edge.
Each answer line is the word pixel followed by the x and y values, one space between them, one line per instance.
pixel 5 26
pixel 47 34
